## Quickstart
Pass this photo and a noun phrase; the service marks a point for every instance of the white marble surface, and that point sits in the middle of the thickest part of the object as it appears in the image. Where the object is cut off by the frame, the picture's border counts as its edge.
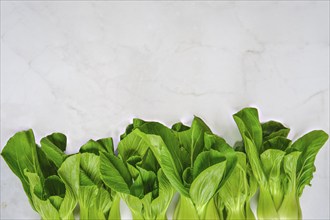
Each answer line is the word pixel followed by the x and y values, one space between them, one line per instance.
pixel 86 68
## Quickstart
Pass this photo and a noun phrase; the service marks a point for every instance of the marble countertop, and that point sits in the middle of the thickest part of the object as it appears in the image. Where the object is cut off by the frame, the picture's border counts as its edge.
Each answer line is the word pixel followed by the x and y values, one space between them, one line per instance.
pixel 87 68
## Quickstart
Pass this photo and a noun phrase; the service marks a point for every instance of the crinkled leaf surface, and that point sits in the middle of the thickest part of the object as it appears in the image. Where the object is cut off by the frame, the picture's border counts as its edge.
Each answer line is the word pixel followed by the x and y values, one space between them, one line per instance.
pixel 309 145
pixel 54 146
pixel 271 129
pixel 114 173
pixel 101 145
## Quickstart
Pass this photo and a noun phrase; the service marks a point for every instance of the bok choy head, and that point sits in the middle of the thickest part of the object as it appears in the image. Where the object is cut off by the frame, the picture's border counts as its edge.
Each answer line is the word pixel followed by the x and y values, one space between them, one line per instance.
pixel 195 161
pixel 37 169
pixel 96 200
pixel 138 177
pixel 281 168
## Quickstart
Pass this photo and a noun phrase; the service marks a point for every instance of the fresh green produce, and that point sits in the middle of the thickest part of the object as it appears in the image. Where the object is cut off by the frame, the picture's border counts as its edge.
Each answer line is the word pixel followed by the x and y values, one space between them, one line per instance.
pixel 47 193
pixel 96 201
pixel 152 162
pixel 234 197
pixel 196 162
pixel 281 169
pixel 138 177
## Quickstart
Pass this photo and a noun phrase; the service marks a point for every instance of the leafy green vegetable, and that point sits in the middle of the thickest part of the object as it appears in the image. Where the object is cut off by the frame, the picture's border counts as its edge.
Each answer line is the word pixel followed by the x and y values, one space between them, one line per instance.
pixel 137 176
pixel 96 201
pixel 282 170
pixel 47 193
pixel 214 180
pixel 20 153
pixel 236 193
pixel 101 145
pixel 54 146
pixel 196 162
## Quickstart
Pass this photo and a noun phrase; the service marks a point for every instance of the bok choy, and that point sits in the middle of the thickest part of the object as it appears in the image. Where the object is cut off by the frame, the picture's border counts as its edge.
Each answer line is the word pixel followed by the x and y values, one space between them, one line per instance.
pixel 195 161
pixel 282 169
pixel 96 200
pixel 137 176
pixel 47 193
pixel 152 162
